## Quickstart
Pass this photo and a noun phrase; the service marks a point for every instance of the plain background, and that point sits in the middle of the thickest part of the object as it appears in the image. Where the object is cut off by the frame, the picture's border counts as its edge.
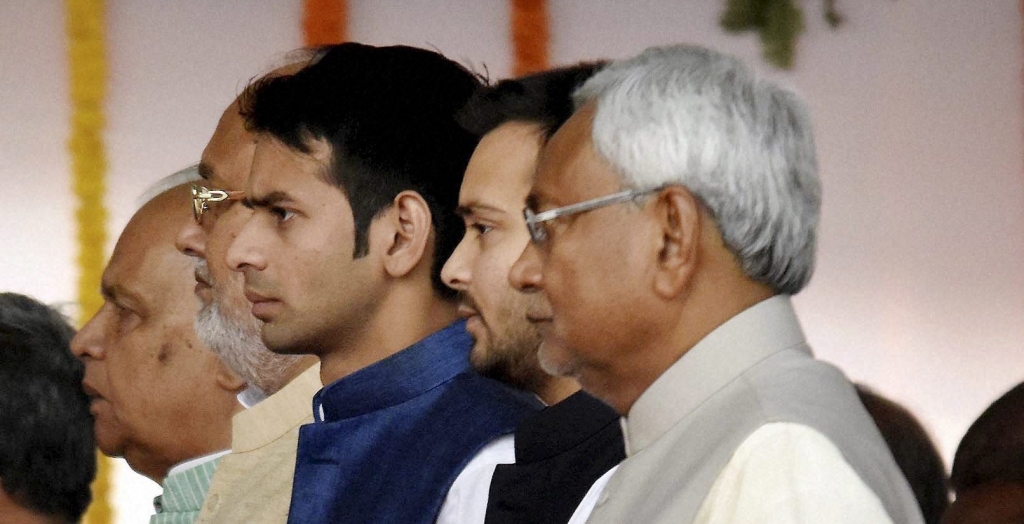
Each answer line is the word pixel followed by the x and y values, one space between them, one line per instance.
pixel 917 104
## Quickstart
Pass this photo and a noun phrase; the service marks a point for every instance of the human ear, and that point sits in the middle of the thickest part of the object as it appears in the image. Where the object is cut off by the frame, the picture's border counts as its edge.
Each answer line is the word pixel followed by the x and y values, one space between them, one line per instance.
pixel 410 227
pixel 679 221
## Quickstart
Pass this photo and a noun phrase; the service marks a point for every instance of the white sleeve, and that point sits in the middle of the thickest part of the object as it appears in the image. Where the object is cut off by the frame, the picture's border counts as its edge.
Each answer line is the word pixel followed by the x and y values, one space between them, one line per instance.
pixel 786 473
pixel 466 502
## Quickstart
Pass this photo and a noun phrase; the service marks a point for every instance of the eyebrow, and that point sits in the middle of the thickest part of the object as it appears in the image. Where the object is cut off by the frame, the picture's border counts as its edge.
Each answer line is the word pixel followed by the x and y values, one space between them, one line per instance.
pixel 270 199
pixel 473 208
pixel 116 293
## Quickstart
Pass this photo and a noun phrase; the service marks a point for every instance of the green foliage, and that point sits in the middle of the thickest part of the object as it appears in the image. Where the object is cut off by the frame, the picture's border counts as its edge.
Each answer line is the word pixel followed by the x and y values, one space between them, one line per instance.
pixel 778 22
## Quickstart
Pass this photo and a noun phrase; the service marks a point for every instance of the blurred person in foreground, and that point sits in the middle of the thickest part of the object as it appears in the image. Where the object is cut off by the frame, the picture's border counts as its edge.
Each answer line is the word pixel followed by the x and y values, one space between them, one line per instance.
pixel 913 450
pixel 564 449
pixel 160 398
pixel 47 451
pixel 353 189
pixel 671 219
pixel 254 482
pixel 988 467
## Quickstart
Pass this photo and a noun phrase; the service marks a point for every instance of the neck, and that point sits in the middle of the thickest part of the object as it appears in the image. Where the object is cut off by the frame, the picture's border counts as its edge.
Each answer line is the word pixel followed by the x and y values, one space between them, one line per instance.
pixel 402 319
pixel 718 293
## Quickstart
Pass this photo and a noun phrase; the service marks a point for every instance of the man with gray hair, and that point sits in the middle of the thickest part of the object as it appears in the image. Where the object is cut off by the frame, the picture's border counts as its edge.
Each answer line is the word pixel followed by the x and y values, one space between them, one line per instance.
pixel 671 219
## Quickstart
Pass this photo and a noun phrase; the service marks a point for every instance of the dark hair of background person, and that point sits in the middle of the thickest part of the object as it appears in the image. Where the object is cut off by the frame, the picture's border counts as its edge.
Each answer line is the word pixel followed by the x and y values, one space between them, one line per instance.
pixel 914 451
pixel 992 450
pixel 388 114
pixel 47 450
pixel 542 98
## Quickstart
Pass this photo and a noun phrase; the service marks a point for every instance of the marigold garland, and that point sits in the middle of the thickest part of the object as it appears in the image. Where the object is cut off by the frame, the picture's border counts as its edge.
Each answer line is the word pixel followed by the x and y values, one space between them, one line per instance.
pixel 324 22
pixel 87 76
pixel 530 36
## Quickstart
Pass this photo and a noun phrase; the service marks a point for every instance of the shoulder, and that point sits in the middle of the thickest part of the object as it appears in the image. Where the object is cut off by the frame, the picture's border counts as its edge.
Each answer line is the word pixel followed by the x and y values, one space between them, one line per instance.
pixel 790 473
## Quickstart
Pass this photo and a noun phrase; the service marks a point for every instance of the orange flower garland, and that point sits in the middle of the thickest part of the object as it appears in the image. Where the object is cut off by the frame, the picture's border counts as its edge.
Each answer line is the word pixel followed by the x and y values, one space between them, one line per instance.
pixel 324 22
pixel 530 36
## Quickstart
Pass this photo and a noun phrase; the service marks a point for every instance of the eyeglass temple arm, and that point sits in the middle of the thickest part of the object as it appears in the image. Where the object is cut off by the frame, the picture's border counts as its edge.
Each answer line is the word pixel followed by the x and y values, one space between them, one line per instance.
pixel 573 209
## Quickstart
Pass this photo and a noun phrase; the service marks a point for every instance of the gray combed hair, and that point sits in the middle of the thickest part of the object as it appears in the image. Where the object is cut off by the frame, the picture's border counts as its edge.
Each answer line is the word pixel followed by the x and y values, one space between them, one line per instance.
pixel 742 145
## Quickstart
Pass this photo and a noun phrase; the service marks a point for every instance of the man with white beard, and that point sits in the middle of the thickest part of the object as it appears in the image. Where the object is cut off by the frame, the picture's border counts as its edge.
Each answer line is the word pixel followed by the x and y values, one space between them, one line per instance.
pixel 254 482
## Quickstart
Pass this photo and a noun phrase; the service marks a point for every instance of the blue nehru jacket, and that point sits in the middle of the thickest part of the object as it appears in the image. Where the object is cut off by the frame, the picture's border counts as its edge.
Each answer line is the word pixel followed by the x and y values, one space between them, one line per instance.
pixel 394 435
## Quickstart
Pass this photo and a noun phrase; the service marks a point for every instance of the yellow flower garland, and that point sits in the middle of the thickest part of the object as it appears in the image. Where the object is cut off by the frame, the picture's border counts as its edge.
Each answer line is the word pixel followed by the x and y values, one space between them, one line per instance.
pixel 87 74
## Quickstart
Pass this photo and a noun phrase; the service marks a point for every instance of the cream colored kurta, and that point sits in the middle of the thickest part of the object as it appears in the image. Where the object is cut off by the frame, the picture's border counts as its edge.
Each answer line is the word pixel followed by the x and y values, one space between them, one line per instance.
pixel 253 484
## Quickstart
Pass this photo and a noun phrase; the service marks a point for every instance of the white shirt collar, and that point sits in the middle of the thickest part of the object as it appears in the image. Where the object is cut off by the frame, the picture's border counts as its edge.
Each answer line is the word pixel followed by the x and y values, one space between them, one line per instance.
pixel 191 463
pixel 251 396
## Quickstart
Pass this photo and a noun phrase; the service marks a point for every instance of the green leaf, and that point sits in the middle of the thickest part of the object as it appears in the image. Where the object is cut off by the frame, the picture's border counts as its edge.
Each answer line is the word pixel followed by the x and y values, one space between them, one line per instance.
pixel 832 16
pixel 741 15
pixel 784 22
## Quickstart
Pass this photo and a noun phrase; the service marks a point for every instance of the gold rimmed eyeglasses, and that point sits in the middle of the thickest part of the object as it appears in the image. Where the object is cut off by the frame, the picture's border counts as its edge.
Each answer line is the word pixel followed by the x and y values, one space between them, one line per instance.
pixel 202 196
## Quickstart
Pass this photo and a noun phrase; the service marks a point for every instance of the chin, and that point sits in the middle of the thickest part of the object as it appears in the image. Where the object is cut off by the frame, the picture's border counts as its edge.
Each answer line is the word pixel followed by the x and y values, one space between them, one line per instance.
pixel 109 445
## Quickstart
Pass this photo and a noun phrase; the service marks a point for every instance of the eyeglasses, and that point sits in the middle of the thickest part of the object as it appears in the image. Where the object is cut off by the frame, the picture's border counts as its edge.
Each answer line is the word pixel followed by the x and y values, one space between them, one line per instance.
pixel 534 220
pixel 201 198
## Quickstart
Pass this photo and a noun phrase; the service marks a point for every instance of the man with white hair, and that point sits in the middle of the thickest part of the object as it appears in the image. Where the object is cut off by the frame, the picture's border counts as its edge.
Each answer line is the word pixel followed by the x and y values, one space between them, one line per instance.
pixel 671 219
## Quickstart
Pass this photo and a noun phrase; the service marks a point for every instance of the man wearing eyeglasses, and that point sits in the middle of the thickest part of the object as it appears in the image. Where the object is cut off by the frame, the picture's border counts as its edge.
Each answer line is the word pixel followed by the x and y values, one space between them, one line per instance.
pixel 160 399
pixel 253 483
pixel 671 218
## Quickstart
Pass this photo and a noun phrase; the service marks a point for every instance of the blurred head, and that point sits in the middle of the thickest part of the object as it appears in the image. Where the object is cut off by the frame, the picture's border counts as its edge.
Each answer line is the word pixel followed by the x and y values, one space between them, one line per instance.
pixel 988 467
pixel 354 184
pixel 914 451
pixel 225 322
pixel 159 397
pixel 47 451
pixel 516 117
pixel 695 195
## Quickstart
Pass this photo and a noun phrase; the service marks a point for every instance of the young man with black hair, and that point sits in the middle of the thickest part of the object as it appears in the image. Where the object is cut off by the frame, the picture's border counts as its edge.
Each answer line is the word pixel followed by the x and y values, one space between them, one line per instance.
pixel 47 456
pixel 354 183
pixel 562 451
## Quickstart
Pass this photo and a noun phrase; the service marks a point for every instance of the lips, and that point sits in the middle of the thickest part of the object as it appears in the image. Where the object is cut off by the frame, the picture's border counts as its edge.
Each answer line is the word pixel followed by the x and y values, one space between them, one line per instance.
pixel 202 278
pixel 535 317
pixel 263 307
pixel 203 283
pixel 94 398
pixel 466 311
pixel 90 391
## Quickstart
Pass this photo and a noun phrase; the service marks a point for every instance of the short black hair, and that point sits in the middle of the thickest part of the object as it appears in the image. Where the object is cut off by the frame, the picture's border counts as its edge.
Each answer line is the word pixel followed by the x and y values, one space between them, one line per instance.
pixel 914 451
pixel 542 98
pixel 992 450
pixel 47 448
pixel 388 114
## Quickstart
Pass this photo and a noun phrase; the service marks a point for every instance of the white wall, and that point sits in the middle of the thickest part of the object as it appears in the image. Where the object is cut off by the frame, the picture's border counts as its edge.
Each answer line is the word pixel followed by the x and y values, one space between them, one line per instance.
pixel 918 109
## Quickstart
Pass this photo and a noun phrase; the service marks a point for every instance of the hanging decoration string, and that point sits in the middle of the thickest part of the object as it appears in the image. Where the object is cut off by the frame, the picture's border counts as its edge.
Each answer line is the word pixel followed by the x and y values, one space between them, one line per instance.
pixel 88 74
pixel 530 36
pixel 324 22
